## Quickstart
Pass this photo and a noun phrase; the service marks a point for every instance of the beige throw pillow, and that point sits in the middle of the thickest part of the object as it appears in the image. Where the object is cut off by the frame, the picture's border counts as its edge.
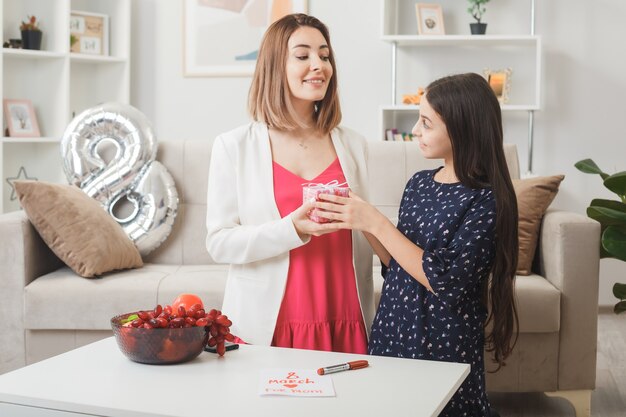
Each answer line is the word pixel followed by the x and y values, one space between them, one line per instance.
pixel 534 195
pixel 77 229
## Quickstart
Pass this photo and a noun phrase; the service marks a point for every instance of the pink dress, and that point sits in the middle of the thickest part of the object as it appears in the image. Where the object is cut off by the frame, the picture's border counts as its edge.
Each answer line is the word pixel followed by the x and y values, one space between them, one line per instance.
pixel 320 308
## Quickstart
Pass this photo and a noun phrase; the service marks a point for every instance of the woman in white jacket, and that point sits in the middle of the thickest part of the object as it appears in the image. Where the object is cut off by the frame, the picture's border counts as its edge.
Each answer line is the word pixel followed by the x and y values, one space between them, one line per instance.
pixel 290 283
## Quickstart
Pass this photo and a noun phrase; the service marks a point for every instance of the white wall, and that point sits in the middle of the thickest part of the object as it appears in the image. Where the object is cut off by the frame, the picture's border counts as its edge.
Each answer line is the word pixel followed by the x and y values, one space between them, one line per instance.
pixel 584 85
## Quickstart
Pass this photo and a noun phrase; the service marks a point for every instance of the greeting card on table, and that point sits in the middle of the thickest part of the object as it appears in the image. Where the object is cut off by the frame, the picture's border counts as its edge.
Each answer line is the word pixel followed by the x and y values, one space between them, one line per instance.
pixel 295 383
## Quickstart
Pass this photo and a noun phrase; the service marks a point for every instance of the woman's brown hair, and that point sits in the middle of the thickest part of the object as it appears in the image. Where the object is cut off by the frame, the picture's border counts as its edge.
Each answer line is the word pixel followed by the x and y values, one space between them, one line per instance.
pixel 472 115
pixel 269 99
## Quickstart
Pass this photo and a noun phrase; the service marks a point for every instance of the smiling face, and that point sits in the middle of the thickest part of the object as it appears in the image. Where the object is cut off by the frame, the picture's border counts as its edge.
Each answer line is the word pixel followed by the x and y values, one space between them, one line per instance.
pixel 308 66
pixel 432 133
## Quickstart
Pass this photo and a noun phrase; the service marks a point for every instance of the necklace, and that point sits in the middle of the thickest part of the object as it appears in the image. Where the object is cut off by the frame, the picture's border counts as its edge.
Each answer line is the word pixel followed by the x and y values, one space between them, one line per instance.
pixel 303 141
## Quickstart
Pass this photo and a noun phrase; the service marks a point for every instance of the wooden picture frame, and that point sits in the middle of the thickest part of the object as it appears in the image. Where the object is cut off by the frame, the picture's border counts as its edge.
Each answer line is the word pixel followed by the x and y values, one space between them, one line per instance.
pixel 221 38
pixel 500 82
pixel 20 119
pixel 429 19
pixel 89 33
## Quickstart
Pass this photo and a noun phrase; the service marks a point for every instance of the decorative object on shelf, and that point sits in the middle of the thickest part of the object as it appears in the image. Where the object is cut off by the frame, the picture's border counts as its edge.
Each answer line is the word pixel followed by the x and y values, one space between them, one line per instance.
pixel 429 19
pixel 237 24
pixel 89 33
pixel 13 44
pixel 500 82
pixel 131 177
pixel 611 214
pixel 477 9
pixel 413 98
pixel 20 118
pixel 31 34
pixel 21 175
pixel 393 135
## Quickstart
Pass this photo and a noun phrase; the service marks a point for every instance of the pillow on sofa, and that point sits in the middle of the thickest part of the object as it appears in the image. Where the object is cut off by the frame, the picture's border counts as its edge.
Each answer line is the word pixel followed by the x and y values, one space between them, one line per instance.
pixel 77 229
pixel 534 195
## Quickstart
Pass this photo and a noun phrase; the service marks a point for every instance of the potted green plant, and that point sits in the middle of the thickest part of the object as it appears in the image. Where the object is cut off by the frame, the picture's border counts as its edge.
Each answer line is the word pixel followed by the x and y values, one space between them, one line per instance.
pixel 612 217
pixel 477 9
pixel 31 34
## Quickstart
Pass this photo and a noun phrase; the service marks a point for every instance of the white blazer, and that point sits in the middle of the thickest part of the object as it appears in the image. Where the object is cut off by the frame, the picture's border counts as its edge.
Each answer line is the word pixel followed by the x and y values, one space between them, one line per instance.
pixel 246 231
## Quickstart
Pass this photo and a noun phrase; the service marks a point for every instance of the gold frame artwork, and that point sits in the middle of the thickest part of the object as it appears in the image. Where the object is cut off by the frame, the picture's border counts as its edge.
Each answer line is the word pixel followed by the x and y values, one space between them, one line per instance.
pixel 500 82
pixel 89 33
pixel 429 19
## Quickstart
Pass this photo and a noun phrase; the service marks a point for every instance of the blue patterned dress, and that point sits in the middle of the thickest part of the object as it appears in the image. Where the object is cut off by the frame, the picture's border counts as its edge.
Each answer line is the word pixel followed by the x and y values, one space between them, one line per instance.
pixel 455 226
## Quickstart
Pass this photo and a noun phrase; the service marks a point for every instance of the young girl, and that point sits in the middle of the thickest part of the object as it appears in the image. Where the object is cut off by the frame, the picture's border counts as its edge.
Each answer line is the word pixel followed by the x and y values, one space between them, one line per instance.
pixel 291 283
pixel 450 264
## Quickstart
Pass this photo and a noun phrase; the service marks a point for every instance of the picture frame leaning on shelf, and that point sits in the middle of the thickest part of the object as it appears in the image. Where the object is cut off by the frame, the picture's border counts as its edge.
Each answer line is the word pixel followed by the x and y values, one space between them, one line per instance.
pixel 500 82
pixel 89 33
pixel 21 119
pixel 429 19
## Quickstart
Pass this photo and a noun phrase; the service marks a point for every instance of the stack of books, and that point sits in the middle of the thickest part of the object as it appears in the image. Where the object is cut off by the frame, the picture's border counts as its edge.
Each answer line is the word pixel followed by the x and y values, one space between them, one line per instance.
pixel 394 136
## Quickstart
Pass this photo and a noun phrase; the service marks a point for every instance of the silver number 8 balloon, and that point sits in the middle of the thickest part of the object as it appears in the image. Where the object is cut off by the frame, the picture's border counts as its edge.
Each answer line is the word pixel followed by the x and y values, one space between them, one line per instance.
pixel 132 174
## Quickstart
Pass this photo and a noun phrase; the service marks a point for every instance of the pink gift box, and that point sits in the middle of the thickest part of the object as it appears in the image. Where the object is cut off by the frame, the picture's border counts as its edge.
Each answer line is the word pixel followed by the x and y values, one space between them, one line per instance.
pixel 311 192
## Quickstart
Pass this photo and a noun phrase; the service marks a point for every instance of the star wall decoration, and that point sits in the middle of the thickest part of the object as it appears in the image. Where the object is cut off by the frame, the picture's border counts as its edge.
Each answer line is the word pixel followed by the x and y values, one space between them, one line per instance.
pixel 21 175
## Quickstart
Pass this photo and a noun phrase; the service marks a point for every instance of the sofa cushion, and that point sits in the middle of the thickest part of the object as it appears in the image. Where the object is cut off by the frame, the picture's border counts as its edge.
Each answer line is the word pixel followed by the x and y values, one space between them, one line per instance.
pixel 538 302
pixel 76 228
pixel 534 195
pixel 60 301
pixel 188 162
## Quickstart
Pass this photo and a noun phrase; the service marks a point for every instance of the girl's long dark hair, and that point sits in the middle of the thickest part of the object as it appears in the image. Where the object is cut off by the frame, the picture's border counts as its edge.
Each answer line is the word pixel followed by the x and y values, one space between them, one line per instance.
pixel 472 115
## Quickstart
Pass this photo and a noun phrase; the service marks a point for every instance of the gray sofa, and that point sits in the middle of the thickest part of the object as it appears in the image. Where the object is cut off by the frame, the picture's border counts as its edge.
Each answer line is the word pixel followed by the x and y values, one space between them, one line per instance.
pixel 47 309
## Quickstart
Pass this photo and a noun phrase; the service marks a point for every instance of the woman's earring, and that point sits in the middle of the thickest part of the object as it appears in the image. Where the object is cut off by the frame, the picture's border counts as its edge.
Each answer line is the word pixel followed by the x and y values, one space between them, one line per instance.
pixel 316 108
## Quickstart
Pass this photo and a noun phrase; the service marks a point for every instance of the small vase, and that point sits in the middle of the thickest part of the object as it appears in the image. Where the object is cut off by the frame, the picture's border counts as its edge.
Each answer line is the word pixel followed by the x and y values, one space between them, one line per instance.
pixel 31 39
pixel 478 28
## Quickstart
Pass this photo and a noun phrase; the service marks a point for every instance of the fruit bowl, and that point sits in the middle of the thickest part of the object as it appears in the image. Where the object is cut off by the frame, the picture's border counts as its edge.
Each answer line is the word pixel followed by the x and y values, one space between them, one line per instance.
pixel 159 346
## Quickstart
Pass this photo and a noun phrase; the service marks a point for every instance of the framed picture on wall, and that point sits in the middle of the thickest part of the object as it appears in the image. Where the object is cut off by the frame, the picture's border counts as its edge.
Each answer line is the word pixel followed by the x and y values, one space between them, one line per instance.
pixel 221 38
pixel 20 118
pixel 500 82
pixel 429 19
pixel 89 33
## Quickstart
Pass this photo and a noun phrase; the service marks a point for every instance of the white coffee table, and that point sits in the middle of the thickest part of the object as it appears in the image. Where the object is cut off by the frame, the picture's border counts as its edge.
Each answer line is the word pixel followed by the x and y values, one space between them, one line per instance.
pixel 97 380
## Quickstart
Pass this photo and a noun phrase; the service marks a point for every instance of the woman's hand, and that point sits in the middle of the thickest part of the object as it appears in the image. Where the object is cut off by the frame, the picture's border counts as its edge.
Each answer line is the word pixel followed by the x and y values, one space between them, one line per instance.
pixel 350 213
pixel 307 227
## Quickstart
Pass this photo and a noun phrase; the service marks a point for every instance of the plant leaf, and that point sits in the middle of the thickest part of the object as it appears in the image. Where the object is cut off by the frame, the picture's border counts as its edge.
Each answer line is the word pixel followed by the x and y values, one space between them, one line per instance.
pixel 603 252
pixel 612 204
pixel 589 167
pixel 614 241
pixel 619 307
pixel 607 216
pixel 616 183
pixel 619 291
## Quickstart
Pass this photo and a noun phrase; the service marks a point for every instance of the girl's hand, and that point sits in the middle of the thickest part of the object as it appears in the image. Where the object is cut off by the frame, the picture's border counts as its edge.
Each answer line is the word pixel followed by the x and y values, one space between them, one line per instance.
pixel 307 227
pixel 349 213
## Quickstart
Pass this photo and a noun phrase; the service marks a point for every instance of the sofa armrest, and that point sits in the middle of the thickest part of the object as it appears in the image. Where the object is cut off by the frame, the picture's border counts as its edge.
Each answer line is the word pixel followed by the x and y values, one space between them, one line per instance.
pixel 23 258
pixel 569 245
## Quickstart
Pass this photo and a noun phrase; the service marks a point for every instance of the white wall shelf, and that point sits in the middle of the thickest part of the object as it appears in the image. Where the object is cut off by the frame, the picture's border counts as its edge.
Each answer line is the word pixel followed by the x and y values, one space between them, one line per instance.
pixel 30 140
pixel 416 60
pixel 95 58
pixel 28 54
pixel 461 40
pixel 416 108
pixel 60 84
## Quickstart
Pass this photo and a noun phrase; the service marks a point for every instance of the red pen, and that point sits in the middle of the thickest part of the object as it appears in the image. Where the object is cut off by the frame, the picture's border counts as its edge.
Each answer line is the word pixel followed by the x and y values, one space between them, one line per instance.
pixel 343 367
